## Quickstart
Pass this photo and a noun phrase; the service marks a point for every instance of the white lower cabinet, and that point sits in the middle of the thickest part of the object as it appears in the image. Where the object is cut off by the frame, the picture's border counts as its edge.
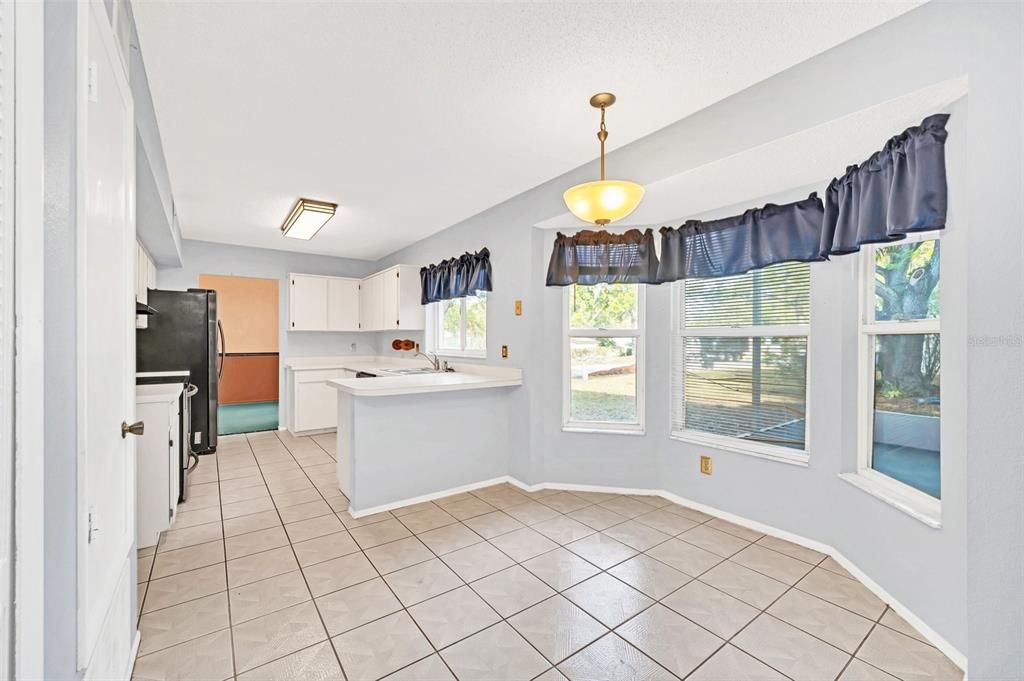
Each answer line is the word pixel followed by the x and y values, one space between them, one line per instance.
pixel 313 405
pixel 158 459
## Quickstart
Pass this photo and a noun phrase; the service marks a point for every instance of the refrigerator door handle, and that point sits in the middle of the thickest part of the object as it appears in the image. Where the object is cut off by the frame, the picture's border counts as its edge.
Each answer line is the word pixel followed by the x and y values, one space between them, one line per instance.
pixel 223 349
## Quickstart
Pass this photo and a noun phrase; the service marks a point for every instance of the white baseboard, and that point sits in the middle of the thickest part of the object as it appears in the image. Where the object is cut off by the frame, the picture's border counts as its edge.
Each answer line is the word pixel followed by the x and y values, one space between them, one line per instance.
pixel 134 656
pixel 429 497
pixel 934 638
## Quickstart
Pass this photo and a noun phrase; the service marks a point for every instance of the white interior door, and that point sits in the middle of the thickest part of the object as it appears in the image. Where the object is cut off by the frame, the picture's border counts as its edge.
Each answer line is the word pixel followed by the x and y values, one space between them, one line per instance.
pixel 106 348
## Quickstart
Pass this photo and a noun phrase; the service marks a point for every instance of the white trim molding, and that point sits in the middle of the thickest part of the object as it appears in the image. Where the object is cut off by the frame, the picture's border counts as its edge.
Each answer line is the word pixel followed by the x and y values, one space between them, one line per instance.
pixel 29 511
pixel 640 359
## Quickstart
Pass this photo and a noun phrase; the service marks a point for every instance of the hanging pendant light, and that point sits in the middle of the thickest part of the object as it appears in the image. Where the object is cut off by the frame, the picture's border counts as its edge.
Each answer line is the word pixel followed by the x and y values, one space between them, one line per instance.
pixel 603 201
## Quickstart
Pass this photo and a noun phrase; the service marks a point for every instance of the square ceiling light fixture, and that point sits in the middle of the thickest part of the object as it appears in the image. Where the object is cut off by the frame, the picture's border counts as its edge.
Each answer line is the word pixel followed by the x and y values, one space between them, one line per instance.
pixel 307 218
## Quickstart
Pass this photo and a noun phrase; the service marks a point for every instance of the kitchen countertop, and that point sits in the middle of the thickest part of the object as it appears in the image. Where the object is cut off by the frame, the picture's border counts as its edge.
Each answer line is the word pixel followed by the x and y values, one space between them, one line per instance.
pixel 183 374
pixel 465 376
pixel 384 386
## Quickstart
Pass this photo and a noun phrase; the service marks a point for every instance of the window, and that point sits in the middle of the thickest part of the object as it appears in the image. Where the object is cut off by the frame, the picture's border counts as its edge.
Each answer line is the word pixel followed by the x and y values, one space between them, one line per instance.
pixel 459 326
pixel 900 366
pixel 604 347
pixel 739 376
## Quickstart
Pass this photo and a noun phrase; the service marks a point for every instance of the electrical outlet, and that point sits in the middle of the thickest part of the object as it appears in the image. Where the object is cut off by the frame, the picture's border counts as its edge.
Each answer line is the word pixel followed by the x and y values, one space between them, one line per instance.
pixel 504 352
pixel 519 308
pixel 705 465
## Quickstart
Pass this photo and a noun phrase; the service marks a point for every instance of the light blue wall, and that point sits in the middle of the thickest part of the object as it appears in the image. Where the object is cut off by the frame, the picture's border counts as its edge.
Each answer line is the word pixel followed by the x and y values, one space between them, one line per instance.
pixel 202 257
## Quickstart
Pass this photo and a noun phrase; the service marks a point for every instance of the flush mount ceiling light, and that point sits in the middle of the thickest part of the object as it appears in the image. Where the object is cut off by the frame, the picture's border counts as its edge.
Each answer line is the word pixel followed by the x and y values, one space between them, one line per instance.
pixel 307 218
pixel 603 201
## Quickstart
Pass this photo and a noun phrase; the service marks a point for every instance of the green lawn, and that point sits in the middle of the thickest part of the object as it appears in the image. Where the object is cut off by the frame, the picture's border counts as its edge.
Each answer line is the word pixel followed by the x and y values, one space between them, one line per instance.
pixel 604 398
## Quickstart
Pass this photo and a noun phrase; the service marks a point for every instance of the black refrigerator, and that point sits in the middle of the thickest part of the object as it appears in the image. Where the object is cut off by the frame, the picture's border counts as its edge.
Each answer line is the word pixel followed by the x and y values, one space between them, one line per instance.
pixel 184 333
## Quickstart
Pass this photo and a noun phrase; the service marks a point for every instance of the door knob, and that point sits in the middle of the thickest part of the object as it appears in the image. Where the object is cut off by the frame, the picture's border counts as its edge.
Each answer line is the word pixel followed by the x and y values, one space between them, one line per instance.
pixel 136 428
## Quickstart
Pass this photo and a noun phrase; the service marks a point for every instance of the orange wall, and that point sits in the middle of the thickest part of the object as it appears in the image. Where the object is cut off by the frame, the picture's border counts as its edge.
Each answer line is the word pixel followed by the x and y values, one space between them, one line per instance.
pixel 249 378
pixel 247 307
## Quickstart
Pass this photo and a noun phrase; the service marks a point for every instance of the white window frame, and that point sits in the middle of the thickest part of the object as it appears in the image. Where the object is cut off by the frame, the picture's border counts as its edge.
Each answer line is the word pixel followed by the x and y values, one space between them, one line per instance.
pixel 788 455
pixel 434 329
pixel 912 501
pixel 639 333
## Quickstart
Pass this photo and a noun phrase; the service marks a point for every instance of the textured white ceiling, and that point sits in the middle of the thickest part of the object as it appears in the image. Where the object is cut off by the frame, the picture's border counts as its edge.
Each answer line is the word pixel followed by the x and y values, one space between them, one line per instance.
pixel 415 116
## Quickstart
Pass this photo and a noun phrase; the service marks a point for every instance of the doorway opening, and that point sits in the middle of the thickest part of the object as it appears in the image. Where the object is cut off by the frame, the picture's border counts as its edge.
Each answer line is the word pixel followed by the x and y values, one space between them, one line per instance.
pixel 249 382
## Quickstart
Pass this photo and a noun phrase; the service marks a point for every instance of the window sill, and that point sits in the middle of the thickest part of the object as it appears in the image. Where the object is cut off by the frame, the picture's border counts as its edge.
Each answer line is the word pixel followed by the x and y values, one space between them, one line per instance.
pixel 916 504
pixel 729 444
pixel 460 355
pixel 603 431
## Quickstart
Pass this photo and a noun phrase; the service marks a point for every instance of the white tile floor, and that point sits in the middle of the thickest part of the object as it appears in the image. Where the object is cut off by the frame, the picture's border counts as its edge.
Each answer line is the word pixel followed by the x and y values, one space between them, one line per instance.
pixel 265 576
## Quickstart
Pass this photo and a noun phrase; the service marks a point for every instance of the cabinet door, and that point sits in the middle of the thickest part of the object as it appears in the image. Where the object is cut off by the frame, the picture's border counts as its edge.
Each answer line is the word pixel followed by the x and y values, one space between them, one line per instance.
pixel 316 403
pixel 174 460
pixel 410 307
pixel 369 304
pixel 343 304
pixel 389 299
pixel 308 303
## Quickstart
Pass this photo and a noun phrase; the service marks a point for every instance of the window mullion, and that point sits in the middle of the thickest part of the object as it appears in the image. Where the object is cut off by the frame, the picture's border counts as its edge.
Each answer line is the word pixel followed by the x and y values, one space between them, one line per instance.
pixel 462 324
pixel 788 330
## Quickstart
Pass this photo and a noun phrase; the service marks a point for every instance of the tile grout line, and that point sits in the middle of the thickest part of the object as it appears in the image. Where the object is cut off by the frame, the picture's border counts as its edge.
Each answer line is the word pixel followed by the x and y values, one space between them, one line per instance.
pixel 227 583
pixel 517 563
pixel 404 609
pixel 291 546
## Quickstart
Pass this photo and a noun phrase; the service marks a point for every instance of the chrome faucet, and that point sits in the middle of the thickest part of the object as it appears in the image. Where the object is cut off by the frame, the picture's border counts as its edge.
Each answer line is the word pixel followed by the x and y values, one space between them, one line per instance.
pixel 432 358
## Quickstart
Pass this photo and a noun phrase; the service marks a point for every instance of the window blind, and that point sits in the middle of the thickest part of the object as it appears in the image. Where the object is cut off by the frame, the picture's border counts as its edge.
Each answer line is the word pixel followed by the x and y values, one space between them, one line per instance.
pixel 740 356
pixel 778 295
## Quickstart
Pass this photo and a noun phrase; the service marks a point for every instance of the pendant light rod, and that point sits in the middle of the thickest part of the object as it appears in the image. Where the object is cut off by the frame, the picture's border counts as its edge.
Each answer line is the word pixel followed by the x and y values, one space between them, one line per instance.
pixel 602 100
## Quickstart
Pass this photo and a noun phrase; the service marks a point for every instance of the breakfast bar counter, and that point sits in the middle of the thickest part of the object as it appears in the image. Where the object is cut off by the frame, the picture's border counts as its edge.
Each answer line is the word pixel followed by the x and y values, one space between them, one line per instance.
pixel 403 439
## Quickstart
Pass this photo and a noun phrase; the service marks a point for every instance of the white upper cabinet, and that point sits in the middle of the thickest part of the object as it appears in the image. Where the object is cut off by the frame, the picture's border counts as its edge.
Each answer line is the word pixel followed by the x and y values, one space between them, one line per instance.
pixel 307 303
pixel 402 298
pixel 389 299
pixel 370 300
pixel 342 304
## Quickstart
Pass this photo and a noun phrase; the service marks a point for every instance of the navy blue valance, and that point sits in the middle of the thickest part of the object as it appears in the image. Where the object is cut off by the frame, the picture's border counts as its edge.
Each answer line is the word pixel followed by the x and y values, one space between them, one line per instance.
pixel 598 257
pixel 898 190
pixel 734 245
pixel 456 277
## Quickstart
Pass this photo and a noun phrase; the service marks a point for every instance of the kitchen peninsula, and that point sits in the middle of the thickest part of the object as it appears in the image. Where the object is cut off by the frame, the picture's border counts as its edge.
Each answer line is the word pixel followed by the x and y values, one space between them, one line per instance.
pixel 454 428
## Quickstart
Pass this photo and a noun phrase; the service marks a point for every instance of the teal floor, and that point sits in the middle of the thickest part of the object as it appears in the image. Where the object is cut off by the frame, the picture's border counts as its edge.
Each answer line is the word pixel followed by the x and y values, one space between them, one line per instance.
pixel 246 418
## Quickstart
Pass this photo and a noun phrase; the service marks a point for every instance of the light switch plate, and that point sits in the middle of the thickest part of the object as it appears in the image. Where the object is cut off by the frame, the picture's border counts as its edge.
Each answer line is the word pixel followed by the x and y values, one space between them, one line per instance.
pixel 705 465
pixel 519 308
pixel 504 352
